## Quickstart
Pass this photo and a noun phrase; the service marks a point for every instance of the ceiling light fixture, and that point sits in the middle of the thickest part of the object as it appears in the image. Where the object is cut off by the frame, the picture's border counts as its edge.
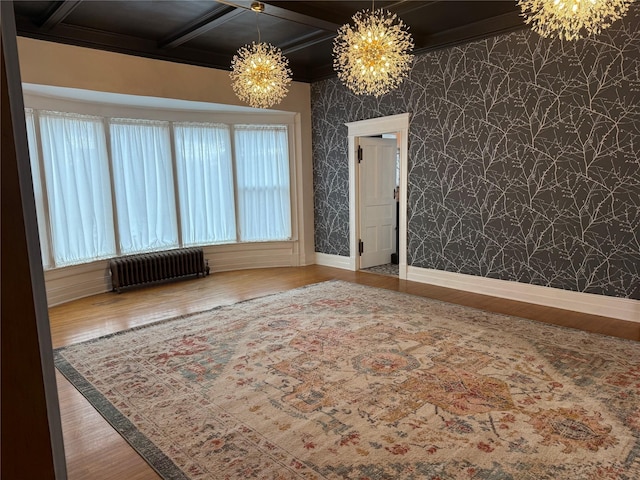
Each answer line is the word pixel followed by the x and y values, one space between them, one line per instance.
pixel 260 73
pixel 572 19
pixel 374 56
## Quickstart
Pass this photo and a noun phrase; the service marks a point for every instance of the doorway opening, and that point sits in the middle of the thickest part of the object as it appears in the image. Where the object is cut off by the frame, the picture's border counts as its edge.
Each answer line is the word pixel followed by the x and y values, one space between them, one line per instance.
pixel 378 187
pixel 378 150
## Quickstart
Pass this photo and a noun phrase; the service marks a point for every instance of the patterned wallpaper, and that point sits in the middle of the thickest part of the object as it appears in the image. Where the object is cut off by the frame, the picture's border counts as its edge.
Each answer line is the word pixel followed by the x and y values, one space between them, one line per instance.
pixel 524 159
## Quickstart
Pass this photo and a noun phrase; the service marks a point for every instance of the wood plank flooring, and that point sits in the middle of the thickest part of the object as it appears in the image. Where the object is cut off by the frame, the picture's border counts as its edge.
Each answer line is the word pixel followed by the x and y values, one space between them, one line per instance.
pixel 95 451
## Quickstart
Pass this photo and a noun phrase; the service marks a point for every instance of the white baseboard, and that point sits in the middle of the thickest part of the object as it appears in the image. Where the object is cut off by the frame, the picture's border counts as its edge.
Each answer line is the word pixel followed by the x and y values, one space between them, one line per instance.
pixel 336 261
pixel 77 281
pixel 304 260
pixel 621 308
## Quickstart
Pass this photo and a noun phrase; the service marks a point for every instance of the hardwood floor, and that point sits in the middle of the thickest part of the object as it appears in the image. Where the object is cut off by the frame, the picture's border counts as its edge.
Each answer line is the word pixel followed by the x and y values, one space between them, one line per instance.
pixel 95 451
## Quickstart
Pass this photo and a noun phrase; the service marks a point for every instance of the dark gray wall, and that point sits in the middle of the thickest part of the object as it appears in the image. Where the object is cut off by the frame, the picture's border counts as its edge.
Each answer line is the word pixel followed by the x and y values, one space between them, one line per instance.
pixel 524 159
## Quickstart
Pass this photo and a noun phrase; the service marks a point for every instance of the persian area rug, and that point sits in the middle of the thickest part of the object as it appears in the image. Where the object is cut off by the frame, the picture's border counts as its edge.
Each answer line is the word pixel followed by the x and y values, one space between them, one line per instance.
pixel 343 381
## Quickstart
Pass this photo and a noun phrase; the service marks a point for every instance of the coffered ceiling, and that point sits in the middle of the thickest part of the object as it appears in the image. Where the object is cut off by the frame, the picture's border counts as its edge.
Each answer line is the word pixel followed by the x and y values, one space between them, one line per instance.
pixel 209 32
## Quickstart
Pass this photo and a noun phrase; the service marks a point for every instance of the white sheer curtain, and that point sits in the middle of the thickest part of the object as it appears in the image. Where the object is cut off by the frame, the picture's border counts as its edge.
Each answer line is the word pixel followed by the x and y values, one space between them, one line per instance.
pixel 262 173
pixel 37 188
pixel 77 180
pixel 205 183
pixel 143 185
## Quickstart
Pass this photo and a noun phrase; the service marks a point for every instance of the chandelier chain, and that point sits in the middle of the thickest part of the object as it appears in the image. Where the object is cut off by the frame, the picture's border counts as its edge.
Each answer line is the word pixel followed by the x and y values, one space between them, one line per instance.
pixel 258 27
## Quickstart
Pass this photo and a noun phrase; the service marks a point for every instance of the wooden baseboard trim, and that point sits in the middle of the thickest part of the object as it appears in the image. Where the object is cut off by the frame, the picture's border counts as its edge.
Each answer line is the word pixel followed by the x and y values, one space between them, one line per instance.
pixel 620 308
pixel 336 261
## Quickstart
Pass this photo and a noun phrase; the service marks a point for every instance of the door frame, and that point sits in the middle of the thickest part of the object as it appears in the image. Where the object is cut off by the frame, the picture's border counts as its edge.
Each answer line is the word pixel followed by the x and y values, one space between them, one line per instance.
pixel 398 124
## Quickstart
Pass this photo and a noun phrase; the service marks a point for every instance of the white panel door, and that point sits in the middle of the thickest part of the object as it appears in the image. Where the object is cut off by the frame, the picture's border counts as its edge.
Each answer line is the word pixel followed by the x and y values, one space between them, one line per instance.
pixel 377 181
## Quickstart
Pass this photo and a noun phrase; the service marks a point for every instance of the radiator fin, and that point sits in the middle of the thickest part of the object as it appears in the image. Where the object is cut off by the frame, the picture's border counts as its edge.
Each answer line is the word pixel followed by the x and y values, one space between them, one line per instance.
pixel 153 267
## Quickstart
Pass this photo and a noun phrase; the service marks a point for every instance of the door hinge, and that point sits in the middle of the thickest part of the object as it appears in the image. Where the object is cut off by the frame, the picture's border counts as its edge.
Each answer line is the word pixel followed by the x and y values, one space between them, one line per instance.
pixel 359 153
pixel 360 247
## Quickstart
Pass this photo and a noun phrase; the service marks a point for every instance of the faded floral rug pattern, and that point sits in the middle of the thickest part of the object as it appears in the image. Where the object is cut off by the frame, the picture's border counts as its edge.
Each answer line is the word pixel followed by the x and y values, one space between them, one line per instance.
pixel 343 381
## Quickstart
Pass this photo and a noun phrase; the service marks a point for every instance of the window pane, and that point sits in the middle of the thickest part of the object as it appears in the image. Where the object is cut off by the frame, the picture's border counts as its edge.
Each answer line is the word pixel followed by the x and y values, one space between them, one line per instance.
pixel 77 179
pixel 262 171
pixel 143 185
pixel 205 183
pixel 37 189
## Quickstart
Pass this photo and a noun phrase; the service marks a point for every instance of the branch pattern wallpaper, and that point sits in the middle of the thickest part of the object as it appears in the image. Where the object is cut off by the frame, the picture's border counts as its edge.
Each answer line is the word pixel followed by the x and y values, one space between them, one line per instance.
pixel 524 159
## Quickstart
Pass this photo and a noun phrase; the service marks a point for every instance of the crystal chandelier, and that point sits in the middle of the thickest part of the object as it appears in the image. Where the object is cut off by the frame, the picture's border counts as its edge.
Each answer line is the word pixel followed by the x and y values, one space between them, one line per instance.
pixel 374 56
pixel 260 73
pixel 572 19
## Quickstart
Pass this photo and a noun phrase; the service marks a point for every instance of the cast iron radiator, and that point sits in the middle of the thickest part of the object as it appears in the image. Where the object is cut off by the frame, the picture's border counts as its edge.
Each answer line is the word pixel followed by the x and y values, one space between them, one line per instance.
pixel 153 267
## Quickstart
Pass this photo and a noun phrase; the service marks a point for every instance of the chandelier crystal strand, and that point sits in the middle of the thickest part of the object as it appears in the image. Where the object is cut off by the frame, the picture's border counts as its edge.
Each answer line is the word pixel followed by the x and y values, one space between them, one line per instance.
pixel 260 75
pixel 374 56
pixel 572 19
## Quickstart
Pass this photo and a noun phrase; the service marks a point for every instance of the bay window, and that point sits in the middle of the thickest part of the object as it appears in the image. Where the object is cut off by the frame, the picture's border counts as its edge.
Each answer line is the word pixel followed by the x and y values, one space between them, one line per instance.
pixel 114 186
